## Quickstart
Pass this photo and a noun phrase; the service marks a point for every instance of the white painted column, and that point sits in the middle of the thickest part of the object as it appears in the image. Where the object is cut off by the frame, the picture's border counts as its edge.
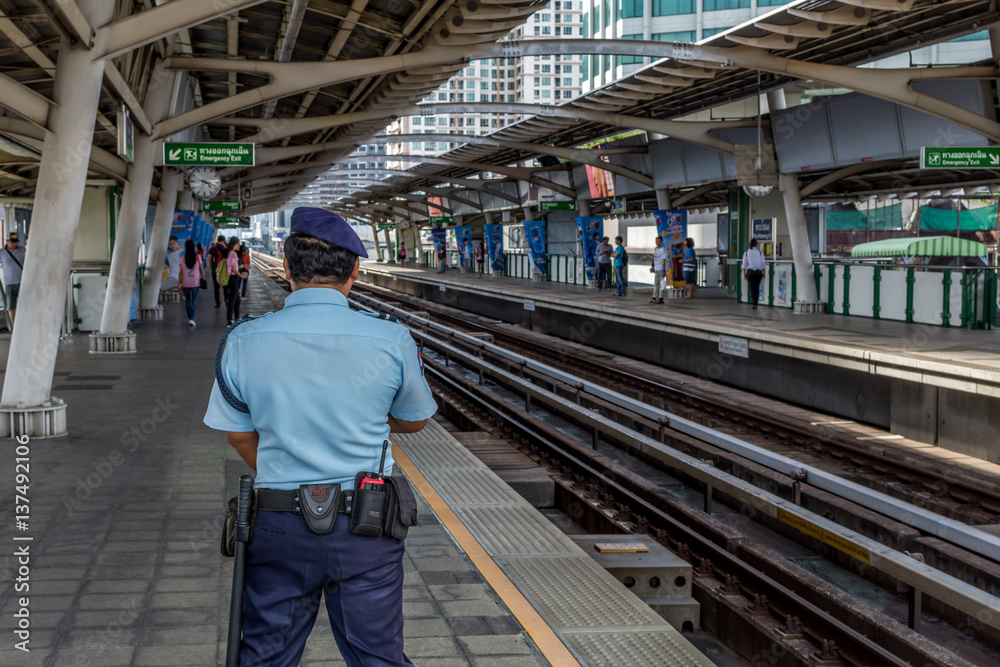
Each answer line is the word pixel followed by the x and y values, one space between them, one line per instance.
pixel 378 246
pixel 157 250
pixel 662 199
pixel 135 200
pixel 797 230
pixel 62 176
pixel 390 256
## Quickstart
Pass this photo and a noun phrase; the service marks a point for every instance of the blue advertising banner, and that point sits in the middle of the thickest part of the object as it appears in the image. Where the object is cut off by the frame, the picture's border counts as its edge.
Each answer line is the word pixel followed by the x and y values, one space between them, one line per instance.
pixel 183 226
pixel 463 235
pixel 591 231
pixel 494 245
pixel 440 237
pixel 672 227
pixel 534 234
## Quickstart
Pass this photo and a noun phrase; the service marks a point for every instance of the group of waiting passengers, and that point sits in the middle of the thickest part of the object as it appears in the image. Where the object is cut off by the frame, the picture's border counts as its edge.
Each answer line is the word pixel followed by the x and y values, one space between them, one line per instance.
pixel 228 264
pixel 608 257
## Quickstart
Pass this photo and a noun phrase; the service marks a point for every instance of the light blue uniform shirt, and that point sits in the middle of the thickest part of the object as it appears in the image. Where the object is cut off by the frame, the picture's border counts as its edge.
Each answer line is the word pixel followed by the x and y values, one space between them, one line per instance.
pixel 320 380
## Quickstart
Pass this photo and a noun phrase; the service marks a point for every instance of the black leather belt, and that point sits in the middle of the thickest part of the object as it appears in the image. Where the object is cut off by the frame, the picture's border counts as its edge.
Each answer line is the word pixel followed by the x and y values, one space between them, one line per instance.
pixel 282 500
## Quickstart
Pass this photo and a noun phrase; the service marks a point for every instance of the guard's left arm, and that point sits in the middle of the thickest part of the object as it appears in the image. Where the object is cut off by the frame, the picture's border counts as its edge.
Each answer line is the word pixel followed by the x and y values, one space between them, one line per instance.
pixel 245 444
pixel 403 426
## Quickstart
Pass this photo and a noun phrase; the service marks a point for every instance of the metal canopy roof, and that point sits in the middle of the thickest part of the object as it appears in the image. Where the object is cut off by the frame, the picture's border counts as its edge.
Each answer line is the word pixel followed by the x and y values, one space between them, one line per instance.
pixel 927 246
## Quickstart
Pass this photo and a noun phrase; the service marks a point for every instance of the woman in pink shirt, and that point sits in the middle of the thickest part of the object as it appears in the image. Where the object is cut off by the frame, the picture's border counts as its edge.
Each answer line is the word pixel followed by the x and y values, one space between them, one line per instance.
pixel 191 277
pixel 232 259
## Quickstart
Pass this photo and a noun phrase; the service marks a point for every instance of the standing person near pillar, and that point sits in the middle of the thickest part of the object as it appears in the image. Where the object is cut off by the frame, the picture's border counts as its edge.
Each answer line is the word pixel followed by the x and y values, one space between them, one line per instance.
pixel 481 257
pixel 402 253
pixel 245 267
pixel 603 260
pixel 235 271
pixel 442 255
pixel 191 279
pixel 620 257
pixel 12 260
pixel 215 254
pixel 753 270
pixel 173 264
pixel 659 270
pixel 281 371
pixel 690 266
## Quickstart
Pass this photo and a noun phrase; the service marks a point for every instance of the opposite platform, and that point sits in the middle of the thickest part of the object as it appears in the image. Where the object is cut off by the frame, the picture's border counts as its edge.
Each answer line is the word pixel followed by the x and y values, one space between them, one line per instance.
pixel 932 384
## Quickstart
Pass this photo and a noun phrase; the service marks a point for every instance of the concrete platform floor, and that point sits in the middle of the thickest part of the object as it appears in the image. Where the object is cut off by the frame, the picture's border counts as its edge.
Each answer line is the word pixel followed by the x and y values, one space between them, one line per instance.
pixel 124 524
pixel 712 306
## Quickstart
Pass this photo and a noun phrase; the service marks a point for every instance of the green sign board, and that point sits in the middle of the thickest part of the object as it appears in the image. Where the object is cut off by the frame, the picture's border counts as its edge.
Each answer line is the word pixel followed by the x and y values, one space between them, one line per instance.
pixel 557 206
pixel 228 221
pixel 220 206
pixel 446 219
pixel 386 225
pixel 205 154
pixel 952 157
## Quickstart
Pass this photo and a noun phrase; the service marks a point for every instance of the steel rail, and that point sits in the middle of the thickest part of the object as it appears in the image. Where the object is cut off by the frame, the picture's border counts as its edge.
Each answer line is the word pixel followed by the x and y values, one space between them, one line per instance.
pixel 968 537
pixel 820 623
pixel 949 589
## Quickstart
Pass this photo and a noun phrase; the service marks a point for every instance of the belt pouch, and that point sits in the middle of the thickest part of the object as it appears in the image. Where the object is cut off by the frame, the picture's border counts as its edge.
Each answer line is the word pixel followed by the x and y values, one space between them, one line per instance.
pixel 401 507
pixel 319 504
pixel 368 511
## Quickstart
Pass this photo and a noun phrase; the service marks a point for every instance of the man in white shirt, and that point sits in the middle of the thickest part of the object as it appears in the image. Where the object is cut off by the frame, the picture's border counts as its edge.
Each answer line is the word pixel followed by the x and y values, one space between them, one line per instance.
pixel 753 270
pixel 659 270
pixel 173 260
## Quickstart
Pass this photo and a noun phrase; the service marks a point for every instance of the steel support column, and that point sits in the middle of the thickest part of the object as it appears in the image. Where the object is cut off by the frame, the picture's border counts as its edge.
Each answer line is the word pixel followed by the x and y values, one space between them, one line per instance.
pixel 662 199
pixel 132 221
pixel 801 254
pixel 62 176
pixel 153 275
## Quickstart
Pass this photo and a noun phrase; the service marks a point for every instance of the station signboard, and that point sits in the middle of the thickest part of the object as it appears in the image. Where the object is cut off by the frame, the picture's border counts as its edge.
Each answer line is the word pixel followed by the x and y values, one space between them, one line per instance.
pixel 443 219
pixel 220 206
pixel 557 206
pixel 763 230
pixel 208 154
pixel 960 157
pixel 227 221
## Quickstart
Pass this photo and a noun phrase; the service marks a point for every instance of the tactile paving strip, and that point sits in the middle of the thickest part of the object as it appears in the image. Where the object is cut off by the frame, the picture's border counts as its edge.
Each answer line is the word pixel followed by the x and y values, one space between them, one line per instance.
pixel 518 530
pixel 574 592
pixel 433 448
pixel 472 487
pixel 644 647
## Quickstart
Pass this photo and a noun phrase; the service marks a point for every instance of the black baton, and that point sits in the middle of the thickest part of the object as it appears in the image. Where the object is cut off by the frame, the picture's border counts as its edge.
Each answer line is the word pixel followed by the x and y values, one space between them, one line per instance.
pixel 243 508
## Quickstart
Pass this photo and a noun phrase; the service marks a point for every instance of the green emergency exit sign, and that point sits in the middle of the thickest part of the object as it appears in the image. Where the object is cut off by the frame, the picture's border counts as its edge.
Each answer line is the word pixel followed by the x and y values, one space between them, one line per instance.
pixel 557 206
pixel 208 154
pixel 960 157
pixel 220 206
pixel 228 221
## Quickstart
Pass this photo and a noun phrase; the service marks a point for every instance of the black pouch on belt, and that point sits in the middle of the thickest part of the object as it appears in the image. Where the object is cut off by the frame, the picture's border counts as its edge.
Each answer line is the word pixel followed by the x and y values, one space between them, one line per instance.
pixel 319 504
pixel 368 512
pixel 400 507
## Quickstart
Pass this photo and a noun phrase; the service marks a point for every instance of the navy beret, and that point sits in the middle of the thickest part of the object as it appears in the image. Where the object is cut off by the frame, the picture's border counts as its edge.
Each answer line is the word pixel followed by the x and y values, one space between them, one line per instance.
pixel 327 225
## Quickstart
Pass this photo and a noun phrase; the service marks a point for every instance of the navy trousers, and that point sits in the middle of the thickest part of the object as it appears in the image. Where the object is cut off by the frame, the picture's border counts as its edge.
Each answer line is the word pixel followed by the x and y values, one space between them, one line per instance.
pixel 289 568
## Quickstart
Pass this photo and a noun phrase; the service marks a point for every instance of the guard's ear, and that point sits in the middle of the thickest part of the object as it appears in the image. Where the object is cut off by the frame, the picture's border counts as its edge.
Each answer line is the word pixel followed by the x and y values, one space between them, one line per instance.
pixel 288 272
pixel 357 264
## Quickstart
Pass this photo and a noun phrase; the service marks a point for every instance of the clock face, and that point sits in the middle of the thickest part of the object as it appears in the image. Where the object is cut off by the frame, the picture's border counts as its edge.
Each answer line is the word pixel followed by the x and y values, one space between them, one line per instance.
pixel 205 182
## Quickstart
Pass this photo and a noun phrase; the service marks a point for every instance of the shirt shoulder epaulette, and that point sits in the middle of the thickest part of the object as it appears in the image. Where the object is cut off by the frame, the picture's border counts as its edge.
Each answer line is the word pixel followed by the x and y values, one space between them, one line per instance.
pixel 380 316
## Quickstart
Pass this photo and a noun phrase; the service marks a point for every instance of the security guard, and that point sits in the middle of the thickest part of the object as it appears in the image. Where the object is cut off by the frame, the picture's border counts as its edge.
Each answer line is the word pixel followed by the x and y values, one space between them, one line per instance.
pixel 323 386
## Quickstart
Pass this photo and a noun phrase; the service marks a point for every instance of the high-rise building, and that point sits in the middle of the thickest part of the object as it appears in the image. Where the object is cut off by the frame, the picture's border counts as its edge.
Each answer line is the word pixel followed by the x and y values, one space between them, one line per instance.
pixel 694 20
pixel 528 80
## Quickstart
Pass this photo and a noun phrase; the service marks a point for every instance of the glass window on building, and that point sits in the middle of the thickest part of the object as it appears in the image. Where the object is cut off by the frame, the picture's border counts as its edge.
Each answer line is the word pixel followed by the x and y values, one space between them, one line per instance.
pixel 709 32
pixel 417 120
pixel 470 97
pixel 672 7
pixel 546 30
pixel 772 3
pixel 982 34
pixel 442 97
pixel 538 30
pixel 442 121
pixel 546 69
pixel 681 36
pixel 567 18
pixel 546 81
pixel 568 30
pixel 586 25
pixel 546 94
pixel 715 5
pixel 629 9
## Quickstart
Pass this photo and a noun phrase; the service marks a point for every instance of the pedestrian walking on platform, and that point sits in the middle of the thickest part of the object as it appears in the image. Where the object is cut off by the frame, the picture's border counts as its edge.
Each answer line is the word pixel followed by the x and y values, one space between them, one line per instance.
pixel 245 268
pixel 312 392
pixel 215 255
pixel 442 255
pixel 690 266
pixel 173 262
pixel 12 261
pixel 753 270
pixel 235 271
pixel 603 261
pixel 480 257
pixel 659 270
pixel 402 253
pixel 620 258
pixel 191 279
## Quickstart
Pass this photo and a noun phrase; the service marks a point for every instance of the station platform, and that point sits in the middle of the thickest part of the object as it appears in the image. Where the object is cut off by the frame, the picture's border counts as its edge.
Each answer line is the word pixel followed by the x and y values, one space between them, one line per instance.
pixel 125 517
pixel 932 384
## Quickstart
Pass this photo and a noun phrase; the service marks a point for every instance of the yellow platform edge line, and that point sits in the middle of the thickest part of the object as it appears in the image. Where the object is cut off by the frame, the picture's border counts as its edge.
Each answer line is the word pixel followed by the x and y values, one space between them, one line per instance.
pixel 541 633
